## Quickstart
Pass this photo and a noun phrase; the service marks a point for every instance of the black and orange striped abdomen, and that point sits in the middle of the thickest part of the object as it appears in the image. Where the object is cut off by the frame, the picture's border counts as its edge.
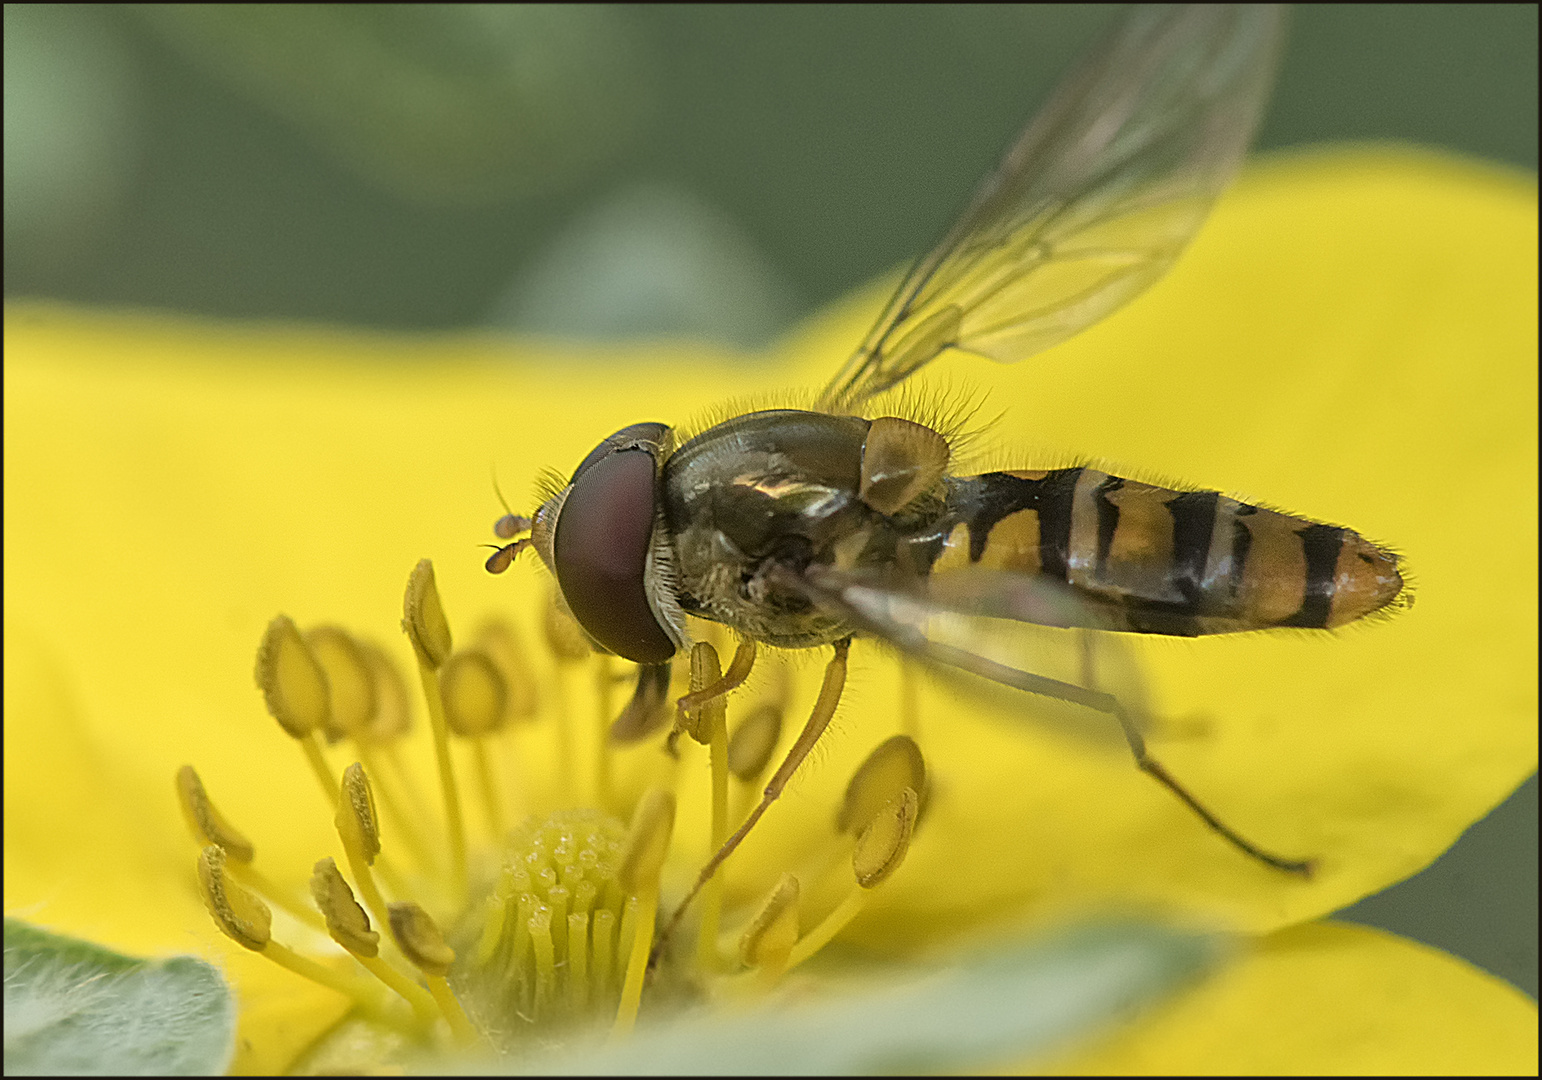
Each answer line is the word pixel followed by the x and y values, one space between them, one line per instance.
pixel 1153 560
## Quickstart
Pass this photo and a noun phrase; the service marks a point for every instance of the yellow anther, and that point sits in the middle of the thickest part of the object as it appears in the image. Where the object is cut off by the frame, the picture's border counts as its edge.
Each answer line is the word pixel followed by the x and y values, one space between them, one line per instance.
pixel 208 824
pixel 356 821
pixel 243 917
pixel 892 767
pixel 754 741
pixel 421 942
pixel 647 841
pixel 346 920
pixel 771 934
pixel 292 682
pixel 420 939
pixel 392 717
pixel 883 844
pixel 564 636
pixel 349 679
pixel 501 642
pixel 475 693
pixel 429 632
pixel 705 670
pixel 423 617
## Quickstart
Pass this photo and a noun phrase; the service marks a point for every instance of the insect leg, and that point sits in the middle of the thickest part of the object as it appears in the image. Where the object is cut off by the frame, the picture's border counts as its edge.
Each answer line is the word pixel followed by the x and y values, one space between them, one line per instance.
pixel 1105 703
pixel 824 708
pixel 738 670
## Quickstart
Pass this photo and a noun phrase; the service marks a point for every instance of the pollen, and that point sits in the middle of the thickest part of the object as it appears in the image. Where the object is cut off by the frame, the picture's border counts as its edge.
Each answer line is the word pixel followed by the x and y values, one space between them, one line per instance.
pixel 498 932
pixel 545 951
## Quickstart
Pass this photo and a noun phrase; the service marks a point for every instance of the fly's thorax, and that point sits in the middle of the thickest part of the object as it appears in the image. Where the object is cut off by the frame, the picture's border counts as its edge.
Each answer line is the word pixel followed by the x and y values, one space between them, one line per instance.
pixel 1152 559
pixel 782 488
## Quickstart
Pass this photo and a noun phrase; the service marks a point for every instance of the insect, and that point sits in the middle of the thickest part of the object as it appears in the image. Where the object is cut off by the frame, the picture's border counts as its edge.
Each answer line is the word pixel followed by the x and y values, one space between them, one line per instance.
pixel 807 528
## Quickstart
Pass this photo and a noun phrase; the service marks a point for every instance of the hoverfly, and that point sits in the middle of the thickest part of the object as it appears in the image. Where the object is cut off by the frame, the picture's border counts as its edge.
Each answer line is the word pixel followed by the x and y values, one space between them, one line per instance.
pixel 806 528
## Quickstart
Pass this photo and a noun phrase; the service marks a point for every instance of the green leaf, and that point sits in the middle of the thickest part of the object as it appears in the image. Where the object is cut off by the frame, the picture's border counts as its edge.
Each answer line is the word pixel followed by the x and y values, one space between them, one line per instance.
pixel 72 1007
pixel 1017 1000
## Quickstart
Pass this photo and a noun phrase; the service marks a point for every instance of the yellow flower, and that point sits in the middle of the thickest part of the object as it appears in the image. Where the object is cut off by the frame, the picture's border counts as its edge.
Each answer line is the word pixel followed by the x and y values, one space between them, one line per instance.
pixel 1352 338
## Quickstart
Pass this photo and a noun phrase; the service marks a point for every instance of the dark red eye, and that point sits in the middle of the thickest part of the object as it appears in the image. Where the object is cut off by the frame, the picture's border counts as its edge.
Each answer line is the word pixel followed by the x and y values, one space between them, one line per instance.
pixel 649 432
pixel 601 549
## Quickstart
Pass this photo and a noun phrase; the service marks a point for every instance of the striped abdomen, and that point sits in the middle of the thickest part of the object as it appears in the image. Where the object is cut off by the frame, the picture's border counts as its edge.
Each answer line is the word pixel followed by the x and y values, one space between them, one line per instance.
pixel 1154 560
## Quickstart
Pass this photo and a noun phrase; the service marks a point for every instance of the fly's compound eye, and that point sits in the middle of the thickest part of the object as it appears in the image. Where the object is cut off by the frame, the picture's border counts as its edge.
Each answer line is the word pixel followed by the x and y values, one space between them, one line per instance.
pixel 600 550
pixel 651 434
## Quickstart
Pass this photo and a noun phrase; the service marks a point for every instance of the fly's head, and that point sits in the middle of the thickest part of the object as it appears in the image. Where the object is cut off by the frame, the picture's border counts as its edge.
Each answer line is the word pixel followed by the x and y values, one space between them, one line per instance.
pixel 604 539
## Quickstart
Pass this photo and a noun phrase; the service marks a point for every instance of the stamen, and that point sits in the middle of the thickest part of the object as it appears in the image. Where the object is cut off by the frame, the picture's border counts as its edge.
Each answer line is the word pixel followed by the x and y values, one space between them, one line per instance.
pixel 501 642
pixel 754 740
pixel 246 920
pixel 294 687
pixel 349 926
pixel 883 844
pixel 819 718
pixel 357 828
pixel 418 936
pixel 709 726
pixel 768 941
pixel 880 850
pixel 351 691
pixel 738 670
pixel 568 647
pixel 209 826
pixel 429 633
pixel 642 861
pixel 893 766
pixel 755 737
pixel 362 697
pixel 475 702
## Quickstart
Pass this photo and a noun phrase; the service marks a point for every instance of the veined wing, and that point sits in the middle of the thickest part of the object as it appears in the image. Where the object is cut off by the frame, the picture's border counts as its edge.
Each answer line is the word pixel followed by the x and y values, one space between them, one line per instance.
pixel 1095 200
pixel 995 628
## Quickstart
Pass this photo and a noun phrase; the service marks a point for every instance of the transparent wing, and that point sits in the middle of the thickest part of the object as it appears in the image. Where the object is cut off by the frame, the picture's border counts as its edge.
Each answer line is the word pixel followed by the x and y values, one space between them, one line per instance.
pixel 993 633
pixel 1095 200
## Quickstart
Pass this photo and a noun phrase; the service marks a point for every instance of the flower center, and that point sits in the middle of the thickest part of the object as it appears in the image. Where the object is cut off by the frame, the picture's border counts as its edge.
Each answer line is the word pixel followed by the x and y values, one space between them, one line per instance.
pixel 551 926
pixel 545 949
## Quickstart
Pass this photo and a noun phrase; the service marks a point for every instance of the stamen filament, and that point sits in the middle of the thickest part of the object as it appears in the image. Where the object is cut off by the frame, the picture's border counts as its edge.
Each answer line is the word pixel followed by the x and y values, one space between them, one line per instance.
pixel 259 883
pixel 490 802
pixel 402 779
pixel 311 744
pixel 305 967
pixel 401 821
pixel 422 1001
pixel 452 812
pixel 464 1033
pixel 712 901
pixel 828 927
pixel 641 913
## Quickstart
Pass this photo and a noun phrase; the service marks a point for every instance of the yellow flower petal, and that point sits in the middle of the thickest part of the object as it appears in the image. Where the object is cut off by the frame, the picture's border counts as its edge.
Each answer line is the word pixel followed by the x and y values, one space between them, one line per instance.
pixel 1327 999
pixel 1353 339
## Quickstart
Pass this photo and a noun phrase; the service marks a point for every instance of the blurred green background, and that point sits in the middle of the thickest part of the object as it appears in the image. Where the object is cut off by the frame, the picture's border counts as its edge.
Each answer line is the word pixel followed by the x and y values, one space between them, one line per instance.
pixel 620 172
